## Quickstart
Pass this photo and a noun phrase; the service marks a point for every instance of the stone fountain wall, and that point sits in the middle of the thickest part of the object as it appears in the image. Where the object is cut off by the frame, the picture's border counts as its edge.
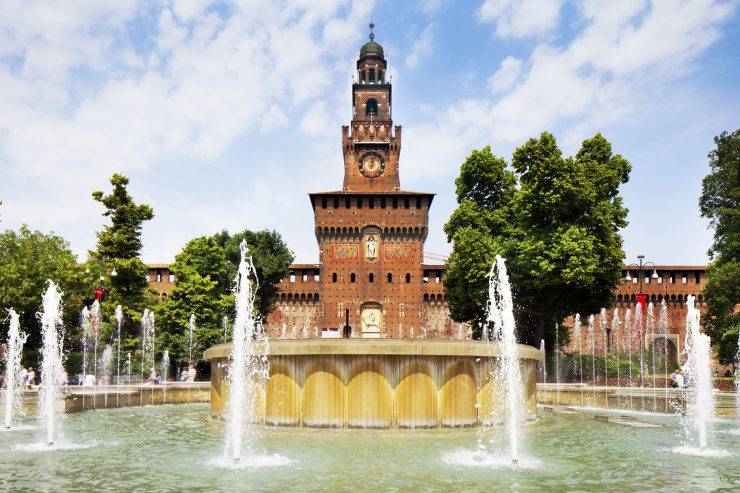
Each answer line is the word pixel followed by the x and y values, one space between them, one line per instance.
pixel 378 384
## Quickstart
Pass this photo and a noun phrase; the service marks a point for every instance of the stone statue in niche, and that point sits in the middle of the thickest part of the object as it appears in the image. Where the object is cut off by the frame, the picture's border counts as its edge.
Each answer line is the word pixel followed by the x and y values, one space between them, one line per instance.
pixel 371 247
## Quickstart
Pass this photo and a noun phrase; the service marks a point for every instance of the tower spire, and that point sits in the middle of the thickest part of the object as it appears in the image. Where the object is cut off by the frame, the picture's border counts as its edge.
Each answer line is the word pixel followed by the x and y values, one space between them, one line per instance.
pixel 372 36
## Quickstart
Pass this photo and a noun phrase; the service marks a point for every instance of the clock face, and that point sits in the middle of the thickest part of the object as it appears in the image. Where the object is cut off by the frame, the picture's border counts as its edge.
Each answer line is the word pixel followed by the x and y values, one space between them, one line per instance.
pixel 372 164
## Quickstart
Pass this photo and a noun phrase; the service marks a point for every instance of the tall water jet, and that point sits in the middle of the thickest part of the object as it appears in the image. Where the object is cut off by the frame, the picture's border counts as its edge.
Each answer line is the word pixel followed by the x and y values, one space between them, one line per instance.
pixel 592 346
pixel 191 331
pixel 248 365
pixel 501 318
pixel 737 376
pixel 698 372
pixel 52 338
pixel 543 365
pixel 627 341
pixel 602 326
pixel 579 344
pixel 638 331
pixel 119 322
pixel 14 350
pixel 106 369
pixel 663 326
pixel 651 337
pixel 95 326
pixel 615 330
pixel 557 364
pixel 165 370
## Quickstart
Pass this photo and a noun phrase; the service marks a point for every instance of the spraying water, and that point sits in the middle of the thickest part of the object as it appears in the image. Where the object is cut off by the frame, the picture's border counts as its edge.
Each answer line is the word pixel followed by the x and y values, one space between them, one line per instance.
pixel 95 326
pixel 127 369
pixel 52 337
pixel 543 366
pixel 602 326
pixel 627 338
pixel 615 329
pixel 557 364
pixel 592 345
pixel 737 376
pixel 701 401
pixel 119 322
pixel 578 336
pixel 663 325
pixel 638 331
pixel 14 350
pixel 248 365
pixel 501 317
pixel 106 369
pixel 191 331
pixel 651 336
pixel 165 369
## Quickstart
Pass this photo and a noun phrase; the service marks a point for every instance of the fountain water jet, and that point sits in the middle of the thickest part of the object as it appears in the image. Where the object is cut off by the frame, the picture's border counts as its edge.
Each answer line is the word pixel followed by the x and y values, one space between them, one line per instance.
pixel 248 365
pixel 14 349
pixel 501 317
pixel 615 329
pixel 119 322
pixel 698 366
pixel 663 326
pixel 51 362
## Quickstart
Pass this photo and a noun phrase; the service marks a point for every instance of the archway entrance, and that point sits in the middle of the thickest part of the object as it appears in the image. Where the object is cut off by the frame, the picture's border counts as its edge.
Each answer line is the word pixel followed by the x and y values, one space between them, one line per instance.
pixel 371 320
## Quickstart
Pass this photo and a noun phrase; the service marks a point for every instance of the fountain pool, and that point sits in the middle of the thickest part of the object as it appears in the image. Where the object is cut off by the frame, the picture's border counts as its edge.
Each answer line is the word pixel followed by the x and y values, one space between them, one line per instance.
pixel 174 448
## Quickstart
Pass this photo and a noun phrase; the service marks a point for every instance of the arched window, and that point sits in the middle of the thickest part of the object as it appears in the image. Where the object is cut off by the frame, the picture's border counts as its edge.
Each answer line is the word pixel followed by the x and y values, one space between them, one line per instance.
pixel 371 107
pixel 619 298
pixel 426 297
pixel 371 75
pixel 352 277
pixel 408 277
pixel 371 277
pixel 390 277
pixel 334 277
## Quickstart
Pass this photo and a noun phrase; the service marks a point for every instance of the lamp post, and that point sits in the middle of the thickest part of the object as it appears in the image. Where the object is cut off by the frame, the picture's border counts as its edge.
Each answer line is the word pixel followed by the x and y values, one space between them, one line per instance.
pixel 641 269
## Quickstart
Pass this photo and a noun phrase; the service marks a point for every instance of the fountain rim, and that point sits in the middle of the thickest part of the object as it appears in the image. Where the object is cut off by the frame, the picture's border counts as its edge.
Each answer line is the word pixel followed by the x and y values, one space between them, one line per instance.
pixel 376 347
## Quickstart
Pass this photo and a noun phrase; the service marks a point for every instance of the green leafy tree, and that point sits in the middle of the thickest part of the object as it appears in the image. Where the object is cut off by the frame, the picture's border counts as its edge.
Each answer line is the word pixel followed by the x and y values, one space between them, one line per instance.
pixel 118 249
pixel 720 203
pixel 27 260
pixel 204 272
pixel 554 219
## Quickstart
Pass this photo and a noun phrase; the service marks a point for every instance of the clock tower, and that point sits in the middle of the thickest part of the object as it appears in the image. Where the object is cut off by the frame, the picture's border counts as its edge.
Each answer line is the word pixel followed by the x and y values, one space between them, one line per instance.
pixel 370 144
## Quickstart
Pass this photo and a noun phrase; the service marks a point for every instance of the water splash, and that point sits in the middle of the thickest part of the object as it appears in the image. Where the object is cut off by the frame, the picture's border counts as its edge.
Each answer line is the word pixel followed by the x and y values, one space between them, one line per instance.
pixel 191 331
pixel 698 372
pixel 615 330
pixel 663 326
pixel 119 322
pixel 248 369
pixel 543 366
pixel 14 350
pixel 52 336
pixel 501 318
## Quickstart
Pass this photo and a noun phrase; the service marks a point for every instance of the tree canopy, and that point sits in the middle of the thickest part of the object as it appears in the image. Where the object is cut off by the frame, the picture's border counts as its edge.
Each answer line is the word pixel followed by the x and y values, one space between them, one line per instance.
pixel 554 219
pixel 27 260
pixel 720 203
pixel 204 279
pixel 118 249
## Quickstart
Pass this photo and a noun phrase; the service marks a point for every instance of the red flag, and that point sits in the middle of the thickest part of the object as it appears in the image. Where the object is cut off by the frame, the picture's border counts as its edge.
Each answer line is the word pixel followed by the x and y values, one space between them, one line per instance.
pixel 98 293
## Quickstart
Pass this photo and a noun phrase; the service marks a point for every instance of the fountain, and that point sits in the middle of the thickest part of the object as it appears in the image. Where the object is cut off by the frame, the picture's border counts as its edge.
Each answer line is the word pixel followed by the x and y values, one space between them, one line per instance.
pixel 615 329
pixel 592 346
pixel 578 337
pixel 14 350
pixel 51 363
pixel 627 341
pixel 501 318
pixel 602 326
pixel 165 369
pixel 248 366
pixel 737 376
pixel 95 334
pixel 191 331
pixel 106 369
pixel 700 406
pixel 543 363
pixel 119 322
pixel 663 326
pixel 650 330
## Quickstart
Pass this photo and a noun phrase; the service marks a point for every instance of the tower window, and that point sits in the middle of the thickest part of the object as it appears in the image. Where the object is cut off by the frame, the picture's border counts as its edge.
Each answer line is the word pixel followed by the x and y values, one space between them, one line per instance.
pixel 390 277
pixel 371 75
pixel 382 204
pixel 323 202
pixel 346 202
pixel 406 203
pixel 359 202
pixel 352 277
pixel 371 202
pixel 334 277
pixel 371 107
pixel 395 202
pixel 336 202
pixel 408 278
pixel 362 76
pixel 371 277
pixel 418 202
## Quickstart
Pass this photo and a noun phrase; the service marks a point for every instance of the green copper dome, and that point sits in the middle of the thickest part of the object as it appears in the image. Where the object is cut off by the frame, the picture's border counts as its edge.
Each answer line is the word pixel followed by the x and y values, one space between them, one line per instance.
pixel 371 48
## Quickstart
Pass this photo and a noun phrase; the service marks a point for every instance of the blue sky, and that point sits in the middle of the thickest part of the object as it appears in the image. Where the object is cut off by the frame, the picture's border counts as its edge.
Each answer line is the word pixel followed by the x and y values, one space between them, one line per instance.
pixel 227 114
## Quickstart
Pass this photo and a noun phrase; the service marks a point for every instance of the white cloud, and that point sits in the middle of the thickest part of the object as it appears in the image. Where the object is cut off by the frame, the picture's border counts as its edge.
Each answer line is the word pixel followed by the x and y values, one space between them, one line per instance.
pixel 520 18
pixel 421 48
pixel 506 75
pixel 432 6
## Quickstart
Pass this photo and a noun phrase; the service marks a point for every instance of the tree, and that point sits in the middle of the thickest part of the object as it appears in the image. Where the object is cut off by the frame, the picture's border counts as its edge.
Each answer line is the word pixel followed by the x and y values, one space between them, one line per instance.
pixel 555 220
pixel 204 272
pixel 27 260
pixel 720 203
pixel 118 249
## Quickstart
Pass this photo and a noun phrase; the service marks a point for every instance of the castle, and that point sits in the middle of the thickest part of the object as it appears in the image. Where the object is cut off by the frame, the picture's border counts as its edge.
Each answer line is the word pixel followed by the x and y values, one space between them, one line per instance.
pixel 371 272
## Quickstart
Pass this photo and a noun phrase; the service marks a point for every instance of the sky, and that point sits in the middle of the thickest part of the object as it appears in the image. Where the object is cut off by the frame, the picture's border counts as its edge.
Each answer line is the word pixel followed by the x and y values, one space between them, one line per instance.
pixel 225 115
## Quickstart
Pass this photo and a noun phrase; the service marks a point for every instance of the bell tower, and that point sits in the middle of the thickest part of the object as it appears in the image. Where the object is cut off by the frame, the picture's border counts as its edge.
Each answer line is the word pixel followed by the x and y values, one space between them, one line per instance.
pixel 370 144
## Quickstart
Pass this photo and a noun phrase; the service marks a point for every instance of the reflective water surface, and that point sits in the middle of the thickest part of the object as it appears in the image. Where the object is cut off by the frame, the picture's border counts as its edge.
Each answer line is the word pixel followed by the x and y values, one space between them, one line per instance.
pixel 179 447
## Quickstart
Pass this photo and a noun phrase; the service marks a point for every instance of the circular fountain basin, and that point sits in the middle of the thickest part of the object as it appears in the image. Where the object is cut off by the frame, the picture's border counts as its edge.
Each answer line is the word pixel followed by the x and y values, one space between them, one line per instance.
pixel 362 383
